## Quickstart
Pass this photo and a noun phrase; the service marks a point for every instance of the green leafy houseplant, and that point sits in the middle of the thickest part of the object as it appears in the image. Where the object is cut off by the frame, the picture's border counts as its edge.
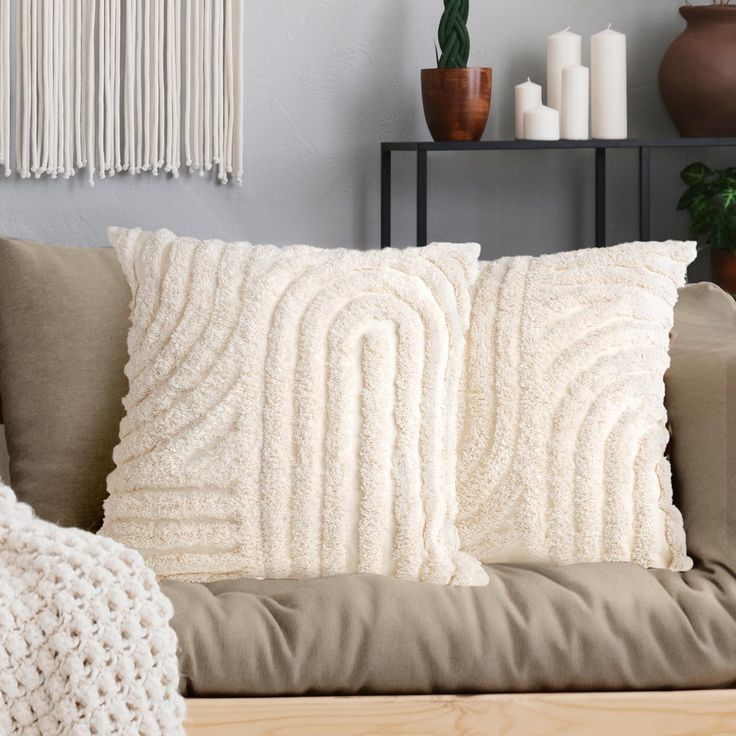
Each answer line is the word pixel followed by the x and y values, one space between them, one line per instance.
pixel 710 199
pixel 453 35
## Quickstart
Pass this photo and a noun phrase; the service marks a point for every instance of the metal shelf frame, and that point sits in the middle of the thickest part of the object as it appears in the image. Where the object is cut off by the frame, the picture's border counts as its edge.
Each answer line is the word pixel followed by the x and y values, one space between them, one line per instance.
pixel 599 147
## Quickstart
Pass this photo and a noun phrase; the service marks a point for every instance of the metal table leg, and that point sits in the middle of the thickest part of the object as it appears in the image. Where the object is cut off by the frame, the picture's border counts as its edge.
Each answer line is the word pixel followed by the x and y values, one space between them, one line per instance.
pixel 386 198
pixel 645 194
pixel 600 197
pixel 421 197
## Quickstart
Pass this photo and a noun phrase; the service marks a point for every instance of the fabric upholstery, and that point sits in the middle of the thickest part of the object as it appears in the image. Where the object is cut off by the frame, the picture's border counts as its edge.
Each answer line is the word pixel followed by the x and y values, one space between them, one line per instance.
pixel 564 427
pixel 701 402
pixel 292 411
pixel 610 626
pixel 63 324
pixel 63 321
pixel 604 626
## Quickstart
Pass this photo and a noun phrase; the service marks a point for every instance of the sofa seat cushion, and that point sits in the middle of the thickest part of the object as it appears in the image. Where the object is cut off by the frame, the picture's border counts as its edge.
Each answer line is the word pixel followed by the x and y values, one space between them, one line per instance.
pixel 605 626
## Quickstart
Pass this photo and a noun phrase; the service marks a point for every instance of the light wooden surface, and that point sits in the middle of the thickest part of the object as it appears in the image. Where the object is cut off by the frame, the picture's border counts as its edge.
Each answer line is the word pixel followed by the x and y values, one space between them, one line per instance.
pixel 691 713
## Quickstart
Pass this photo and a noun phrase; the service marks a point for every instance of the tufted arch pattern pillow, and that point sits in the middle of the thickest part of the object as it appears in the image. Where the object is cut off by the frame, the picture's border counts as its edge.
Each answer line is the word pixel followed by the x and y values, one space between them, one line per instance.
pixel 292 411
pixel 563 430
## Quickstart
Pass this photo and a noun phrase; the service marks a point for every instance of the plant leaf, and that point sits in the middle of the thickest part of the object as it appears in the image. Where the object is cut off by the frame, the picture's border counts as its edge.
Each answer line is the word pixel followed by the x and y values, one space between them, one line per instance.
pixel 701 213
pixel 726 177
pixel 727 197
pixel 688 197
pixel 701 208
pixel 718 235
pixel 695 173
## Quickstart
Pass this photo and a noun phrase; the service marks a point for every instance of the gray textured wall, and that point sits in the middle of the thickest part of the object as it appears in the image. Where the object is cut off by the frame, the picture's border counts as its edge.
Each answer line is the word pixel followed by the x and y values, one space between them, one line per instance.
pixel 327 80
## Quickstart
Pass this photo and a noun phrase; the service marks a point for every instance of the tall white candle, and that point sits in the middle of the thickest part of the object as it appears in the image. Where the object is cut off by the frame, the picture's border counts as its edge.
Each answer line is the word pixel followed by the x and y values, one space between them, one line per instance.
pixel 542 124
pixel 563 49
pixel 574 114
pixel 608 114
pixel 528 96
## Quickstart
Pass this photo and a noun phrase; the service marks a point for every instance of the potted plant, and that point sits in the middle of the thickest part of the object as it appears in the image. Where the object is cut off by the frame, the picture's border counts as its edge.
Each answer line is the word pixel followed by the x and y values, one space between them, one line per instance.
pixel 710 199
pixel 698 74
pixel 457 99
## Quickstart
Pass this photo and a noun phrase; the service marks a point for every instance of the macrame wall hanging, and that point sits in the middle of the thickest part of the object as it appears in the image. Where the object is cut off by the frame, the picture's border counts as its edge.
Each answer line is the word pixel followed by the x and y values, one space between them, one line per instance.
pixel 122 85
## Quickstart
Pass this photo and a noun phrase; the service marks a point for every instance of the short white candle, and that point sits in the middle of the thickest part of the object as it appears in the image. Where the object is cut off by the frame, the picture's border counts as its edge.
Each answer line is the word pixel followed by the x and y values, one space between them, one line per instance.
pixel 528 96
pixel 608 85
pixel 563 49
pixel 542 124
pixel 574 114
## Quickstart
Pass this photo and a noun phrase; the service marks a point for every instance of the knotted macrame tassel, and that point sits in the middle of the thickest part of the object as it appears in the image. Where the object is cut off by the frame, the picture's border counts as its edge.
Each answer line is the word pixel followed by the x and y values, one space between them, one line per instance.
pixel 67 91
pixel 139 6
pixel 237 166
pixel 116 72
pixel 5 85
pixel 99 84
pixel 102 51
pixel 90 7
pixel 20 81
pixel 194 86
pixel 78 83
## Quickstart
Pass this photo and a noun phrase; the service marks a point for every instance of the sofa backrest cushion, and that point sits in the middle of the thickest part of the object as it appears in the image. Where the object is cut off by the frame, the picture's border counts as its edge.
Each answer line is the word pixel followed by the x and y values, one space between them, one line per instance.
pixel 63 326
pixel 701 404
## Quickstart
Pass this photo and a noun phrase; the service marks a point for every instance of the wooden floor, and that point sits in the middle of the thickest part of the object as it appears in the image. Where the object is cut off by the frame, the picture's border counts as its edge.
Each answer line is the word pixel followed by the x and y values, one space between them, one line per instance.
pixel 691 713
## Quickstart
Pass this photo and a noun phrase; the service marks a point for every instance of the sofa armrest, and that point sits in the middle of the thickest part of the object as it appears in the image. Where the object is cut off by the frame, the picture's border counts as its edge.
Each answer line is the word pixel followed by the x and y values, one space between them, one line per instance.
pixel 701 404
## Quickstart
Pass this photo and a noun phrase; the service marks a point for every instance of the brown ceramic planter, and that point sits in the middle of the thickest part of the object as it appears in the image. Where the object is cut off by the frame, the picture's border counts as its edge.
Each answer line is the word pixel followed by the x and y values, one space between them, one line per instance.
pixel 457 102
pixel 698 73
pixel 723 269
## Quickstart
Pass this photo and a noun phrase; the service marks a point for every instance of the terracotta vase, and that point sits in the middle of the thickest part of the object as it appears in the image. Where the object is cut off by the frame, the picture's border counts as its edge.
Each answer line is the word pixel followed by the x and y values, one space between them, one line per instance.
pixel 457 102
pixel 723 269
pixel 698 73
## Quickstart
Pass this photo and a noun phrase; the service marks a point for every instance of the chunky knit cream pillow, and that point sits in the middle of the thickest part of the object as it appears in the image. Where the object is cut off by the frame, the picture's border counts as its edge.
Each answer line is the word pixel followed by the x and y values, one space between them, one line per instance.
pixel 292 411
pixel 563 430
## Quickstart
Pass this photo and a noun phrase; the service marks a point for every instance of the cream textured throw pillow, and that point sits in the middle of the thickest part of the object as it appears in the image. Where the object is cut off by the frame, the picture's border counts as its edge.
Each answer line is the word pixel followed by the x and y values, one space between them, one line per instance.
pixel 292 411
pixel 563 430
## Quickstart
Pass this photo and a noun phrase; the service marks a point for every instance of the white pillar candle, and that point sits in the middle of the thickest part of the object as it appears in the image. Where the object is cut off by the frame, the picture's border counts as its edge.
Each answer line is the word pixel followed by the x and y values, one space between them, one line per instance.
pixel 563 49
pixel 528 96
pixel 574 114
pixel 542 124
pixel 608 85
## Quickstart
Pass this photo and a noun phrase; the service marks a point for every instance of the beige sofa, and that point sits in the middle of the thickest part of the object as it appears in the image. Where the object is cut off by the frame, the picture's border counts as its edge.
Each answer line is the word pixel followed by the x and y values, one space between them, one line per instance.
pixel 591 648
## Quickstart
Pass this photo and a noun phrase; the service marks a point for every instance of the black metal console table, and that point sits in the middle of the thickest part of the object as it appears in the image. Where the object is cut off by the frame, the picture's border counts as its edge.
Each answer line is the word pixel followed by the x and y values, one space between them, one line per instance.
pixel 600 147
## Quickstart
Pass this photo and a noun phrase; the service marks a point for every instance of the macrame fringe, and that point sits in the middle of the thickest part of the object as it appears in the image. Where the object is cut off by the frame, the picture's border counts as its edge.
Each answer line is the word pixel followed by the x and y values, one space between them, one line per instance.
pixel 123 85
pixel 5 86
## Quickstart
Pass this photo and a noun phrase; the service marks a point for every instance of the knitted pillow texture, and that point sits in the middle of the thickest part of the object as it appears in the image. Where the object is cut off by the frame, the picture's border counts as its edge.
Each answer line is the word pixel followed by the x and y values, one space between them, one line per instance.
pixel 563 426
pixel 292 411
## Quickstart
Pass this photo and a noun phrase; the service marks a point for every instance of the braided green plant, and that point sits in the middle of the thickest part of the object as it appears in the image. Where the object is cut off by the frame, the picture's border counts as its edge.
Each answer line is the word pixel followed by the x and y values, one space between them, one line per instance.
pixel 453 35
